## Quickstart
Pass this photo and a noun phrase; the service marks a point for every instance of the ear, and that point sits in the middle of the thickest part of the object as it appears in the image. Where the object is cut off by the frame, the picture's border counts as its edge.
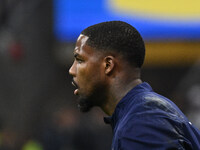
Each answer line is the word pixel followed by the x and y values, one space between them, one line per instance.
pixel 109 64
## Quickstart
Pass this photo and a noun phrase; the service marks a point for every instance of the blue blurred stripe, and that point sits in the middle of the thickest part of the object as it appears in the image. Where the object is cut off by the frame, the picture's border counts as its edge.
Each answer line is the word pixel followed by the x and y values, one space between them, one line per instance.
pixel 72 16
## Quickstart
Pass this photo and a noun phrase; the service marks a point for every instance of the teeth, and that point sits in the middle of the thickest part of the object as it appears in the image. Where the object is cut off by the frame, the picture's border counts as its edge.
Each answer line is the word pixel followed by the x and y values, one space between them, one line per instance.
pixel 74 84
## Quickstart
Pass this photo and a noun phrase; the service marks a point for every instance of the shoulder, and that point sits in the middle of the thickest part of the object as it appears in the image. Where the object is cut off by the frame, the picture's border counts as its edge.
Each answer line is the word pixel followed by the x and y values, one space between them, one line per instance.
pixel 143 132
pixel 151 120
pixel 151 113
pixel 149 102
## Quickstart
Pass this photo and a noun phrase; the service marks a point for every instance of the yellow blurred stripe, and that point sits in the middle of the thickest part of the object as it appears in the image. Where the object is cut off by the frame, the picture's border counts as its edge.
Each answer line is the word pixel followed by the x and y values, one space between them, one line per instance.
pixel 168 8
pixel 172 53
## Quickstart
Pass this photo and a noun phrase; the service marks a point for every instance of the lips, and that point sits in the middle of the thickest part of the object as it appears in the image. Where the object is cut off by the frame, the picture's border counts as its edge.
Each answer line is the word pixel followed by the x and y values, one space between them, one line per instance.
pixel 76 86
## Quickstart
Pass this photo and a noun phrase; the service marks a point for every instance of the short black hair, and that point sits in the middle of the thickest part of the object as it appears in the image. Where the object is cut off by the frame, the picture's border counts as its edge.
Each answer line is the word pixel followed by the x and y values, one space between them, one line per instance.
pixel 117 36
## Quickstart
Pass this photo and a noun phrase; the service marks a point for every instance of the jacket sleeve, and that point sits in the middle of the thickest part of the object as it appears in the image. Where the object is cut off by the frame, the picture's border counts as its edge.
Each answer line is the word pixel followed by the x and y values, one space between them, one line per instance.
pixel 148 133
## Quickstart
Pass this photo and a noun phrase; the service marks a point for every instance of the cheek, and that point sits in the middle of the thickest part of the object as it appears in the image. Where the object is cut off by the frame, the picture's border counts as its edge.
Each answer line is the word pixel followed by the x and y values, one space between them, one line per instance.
pixel 89 77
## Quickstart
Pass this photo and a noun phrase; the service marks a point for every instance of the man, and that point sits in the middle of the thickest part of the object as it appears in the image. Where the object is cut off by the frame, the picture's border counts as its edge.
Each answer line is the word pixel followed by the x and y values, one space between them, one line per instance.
pixel 106 73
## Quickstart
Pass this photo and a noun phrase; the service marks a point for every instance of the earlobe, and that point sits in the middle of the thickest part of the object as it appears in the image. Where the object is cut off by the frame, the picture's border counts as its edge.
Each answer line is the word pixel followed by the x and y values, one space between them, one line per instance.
pixel 109 64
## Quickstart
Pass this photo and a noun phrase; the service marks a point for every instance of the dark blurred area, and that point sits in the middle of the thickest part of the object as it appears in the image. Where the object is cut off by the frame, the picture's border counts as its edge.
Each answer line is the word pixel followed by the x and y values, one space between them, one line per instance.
pixel 37 107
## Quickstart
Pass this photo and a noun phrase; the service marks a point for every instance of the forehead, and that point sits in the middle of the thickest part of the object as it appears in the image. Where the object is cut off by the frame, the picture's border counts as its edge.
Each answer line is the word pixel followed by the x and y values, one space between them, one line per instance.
pixel 81 46
pixel 82 39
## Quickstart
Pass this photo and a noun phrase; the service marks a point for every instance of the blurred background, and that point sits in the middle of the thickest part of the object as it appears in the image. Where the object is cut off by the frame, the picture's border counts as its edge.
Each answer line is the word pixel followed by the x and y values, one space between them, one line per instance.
pixel 37 107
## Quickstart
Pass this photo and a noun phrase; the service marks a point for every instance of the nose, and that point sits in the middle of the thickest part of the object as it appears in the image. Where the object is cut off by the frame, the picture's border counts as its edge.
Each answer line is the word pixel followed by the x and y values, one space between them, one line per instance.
pixel 72 69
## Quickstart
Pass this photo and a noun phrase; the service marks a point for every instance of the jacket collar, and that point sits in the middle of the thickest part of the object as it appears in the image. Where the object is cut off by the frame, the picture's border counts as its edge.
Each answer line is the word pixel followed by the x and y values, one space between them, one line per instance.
pixel 121 106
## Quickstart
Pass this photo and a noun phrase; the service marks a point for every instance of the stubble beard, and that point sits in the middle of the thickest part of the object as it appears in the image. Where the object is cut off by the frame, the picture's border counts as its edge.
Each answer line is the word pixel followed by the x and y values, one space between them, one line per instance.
pixel 97 98
pixel 84 104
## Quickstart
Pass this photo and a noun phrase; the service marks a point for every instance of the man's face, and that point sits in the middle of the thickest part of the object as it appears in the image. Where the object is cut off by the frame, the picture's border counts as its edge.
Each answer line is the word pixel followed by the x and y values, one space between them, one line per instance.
pixel 88 74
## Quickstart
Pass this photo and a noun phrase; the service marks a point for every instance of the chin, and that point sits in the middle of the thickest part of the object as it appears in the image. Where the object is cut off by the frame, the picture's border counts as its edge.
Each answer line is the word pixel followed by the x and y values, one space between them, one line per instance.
pixel 84 104
pixel 95 98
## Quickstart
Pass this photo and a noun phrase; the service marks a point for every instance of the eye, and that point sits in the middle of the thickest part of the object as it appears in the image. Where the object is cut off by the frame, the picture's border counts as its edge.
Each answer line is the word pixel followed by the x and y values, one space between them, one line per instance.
pixel 79 60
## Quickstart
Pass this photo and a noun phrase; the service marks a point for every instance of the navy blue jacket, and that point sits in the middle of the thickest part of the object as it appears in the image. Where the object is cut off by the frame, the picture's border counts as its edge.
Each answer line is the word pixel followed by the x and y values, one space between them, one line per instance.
pixel 145 120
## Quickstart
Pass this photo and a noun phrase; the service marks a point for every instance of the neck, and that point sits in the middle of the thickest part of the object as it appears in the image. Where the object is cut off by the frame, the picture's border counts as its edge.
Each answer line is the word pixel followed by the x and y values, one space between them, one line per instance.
pixel 117 91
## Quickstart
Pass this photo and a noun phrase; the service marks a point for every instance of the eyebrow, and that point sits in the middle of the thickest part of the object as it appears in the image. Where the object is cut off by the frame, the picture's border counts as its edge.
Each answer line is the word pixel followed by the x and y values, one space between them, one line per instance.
pixel 77 55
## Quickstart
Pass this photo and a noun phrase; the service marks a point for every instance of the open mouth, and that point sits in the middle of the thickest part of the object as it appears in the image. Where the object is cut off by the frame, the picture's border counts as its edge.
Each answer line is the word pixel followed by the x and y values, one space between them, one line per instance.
pixel 76 86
